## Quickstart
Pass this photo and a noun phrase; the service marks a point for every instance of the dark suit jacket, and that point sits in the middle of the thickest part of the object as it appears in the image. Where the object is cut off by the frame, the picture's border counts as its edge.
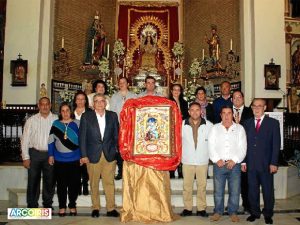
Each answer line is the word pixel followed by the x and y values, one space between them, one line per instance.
pixel 246 114
pixel 210 113
pixel 90 141
pixel 263 146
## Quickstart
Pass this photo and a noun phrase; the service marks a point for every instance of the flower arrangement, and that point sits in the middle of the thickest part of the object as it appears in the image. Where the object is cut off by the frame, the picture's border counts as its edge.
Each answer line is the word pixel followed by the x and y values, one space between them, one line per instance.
pixel 119 48
pixel 178 49
pixel 111 88
pixel 189 92
pixel 104 65
pixel 66 95
pixel 195 68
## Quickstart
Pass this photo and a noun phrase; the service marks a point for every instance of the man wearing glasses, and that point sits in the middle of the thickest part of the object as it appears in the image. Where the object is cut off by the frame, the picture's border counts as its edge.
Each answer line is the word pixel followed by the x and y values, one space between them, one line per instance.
pixel 263 145
pixel 98 141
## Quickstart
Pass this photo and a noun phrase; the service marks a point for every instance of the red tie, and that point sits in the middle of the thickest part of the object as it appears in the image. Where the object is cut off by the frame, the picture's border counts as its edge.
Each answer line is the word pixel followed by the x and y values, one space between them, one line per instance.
pixel 257 125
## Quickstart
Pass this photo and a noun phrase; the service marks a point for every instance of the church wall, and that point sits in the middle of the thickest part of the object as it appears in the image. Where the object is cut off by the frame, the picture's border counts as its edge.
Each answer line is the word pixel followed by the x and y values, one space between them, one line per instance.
pixel 73 19
pixel 21 36
pixel 268 42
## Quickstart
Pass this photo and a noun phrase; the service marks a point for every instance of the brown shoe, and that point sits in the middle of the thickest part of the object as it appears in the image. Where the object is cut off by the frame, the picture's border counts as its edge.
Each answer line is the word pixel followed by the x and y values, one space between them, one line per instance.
pixel 234 218
pixel 215 217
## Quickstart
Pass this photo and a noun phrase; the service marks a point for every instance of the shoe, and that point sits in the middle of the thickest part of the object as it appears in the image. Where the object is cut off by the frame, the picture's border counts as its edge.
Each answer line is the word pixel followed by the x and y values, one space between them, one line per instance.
pixel 215 217
pixel 252 218
pixel 85 190
pixel 180 175
pixel 62 213
pixel 113 213
pixel 268 220
pixel 234 218
pixel 95 213
pixel 186 212
pixel 73 212
pixel 202 213
pixel 118 177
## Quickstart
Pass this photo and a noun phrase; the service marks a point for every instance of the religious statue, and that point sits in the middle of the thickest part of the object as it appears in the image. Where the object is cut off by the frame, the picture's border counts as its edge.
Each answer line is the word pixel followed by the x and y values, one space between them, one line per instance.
pixel 148 53
pixel 296 66
pixel 96 41
pixel 43 91
pixel 213 43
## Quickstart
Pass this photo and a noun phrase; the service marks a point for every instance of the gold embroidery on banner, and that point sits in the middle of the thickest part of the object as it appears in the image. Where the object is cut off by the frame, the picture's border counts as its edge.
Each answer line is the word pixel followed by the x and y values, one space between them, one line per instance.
pixel 150 3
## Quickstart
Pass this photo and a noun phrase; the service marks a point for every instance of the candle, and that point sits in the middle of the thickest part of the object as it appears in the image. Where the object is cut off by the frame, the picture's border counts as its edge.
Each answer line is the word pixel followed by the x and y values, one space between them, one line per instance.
pixel 203 54
pixel 217 53
pixel 230 44
pixel 93 46
pixel 108 51
pixel 62 43
pixel 185 83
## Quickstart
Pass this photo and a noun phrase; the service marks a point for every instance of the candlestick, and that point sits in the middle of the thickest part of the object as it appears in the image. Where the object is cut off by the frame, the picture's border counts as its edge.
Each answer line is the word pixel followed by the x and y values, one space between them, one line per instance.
pixel 62 43
pixel 185 83
pixel 217 53
pixel 203 54
pixel 93 46
pixel 230 44
pixel 108 51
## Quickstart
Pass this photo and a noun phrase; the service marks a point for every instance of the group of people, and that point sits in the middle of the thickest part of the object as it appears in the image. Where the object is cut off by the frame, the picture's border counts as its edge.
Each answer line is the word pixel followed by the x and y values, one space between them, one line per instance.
pixel 242 143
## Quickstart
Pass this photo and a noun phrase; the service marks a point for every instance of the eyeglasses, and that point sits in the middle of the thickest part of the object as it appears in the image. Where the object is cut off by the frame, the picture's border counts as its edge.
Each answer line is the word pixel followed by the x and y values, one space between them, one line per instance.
pixel 257 106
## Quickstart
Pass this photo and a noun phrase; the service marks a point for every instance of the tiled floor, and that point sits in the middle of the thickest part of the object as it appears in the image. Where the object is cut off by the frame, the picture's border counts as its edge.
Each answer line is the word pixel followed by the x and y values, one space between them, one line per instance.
pixel 286 213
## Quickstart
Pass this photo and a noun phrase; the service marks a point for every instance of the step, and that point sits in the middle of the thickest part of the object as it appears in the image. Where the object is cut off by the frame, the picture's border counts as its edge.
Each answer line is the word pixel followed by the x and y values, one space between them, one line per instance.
pixel 17 197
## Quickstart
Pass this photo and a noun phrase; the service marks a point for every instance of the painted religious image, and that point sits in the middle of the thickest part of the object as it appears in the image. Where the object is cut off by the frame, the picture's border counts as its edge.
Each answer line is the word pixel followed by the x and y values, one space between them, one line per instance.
pixel 152 133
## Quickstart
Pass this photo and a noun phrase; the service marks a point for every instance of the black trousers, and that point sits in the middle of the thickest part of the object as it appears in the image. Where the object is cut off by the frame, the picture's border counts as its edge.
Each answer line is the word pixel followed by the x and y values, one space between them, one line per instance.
pixel 119 163
pixel 244 190
pixel 39 165
pixel 84 175
pixel 266 181
pixel 67 176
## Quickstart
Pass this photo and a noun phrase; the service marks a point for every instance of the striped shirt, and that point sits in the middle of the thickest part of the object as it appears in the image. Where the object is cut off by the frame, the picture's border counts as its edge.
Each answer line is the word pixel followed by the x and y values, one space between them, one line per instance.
pixel 36 133
pixel 63 141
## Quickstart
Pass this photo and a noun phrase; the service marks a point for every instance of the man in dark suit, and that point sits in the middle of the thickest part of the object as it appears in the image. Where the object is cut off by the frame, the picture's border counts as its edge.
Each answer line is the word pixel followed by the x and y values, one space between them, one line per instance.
pixel 240 114
pixel 98 140
pixel 263 146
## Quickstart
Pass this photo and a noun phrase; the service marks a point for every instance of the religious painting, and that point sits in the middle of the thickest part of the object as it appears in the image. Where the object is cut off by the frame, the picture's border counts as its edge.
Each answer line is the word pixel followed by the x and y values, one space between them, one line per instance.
pixel 152 130
pixel 272 74
pixel 295 60
pixel 18 69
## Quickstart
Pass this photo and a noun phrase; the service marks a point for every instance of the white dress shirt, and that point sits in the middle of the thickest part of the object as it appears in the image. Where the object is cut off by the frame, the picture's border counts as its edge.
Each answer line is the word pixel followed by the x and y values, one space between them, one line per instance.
pixel 78 117
pixel 101 123
pixel 226 144
pixel 36 133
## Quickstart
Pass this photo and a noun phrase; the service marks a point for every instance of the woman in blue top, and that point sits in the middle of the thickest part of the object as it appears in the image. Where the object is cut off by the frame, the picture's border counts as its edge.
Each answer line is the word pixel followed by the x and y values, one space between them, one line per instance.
pixel 64 154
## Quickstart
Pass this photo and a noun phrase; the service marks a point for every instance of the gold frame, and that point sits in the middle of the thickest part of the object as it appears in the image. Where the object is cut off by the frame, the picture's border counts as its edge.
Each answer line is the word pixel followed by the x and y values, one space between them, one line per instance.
pixel 153 131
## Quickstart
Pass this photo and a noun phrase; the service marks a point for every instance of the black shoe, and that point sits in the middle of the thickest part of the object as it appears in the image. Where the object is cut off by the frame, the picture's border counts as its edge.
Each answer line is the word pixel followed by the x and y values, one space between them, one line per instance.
pixel 85 190
pixel 202 213
pixel 252 218
pixel 95 213
pixel 186 212
pixel 268 220
pixel 118 177
pixel 113 213
pixel 180 175
pixel 62 214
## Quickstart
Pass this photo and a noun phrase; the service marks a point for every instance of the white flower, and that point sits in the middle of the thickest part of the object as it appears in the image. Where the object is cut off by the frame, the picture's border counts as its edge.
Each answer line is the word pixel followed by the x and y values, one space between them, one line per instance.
pixel 104 65
pixel 66 95
pixel 119 48
pixel 178 49
pixel 195 67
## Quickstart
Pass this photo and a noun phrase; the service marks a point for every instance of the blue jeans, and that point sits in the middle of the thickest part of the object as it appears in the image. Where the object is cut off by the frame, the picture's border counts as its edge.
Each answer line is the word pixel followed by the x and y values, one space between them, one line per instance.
pixel 233 178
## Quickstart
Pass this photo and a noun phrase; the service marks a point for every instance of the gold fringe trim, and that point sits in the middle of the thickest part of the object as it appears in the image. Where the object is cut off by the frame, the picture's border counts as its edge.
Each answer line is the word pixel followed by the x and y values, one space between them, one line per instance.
pixel 149 4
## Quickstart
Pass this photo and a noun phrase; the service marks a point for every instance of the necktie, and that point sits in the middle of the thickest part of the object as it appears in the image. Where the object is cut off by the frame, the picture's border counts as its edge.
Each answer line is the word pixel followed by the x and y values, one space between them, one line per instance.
pixel 257 125
pixel 237 115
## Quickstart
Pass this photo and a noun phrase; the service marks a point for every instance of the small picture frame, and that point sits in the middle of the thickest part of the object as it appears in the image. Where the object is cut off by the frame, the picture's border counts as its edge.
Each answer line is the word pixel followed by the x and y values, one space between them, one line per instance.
pixel 272 74
pixel 18 69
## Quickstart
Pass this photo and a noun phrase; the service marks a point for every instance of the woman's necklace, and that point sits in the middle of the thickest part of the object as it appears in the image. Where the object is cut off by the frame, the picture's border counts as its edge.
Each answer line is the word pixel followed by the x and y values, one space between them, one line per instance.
pixel 66 129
